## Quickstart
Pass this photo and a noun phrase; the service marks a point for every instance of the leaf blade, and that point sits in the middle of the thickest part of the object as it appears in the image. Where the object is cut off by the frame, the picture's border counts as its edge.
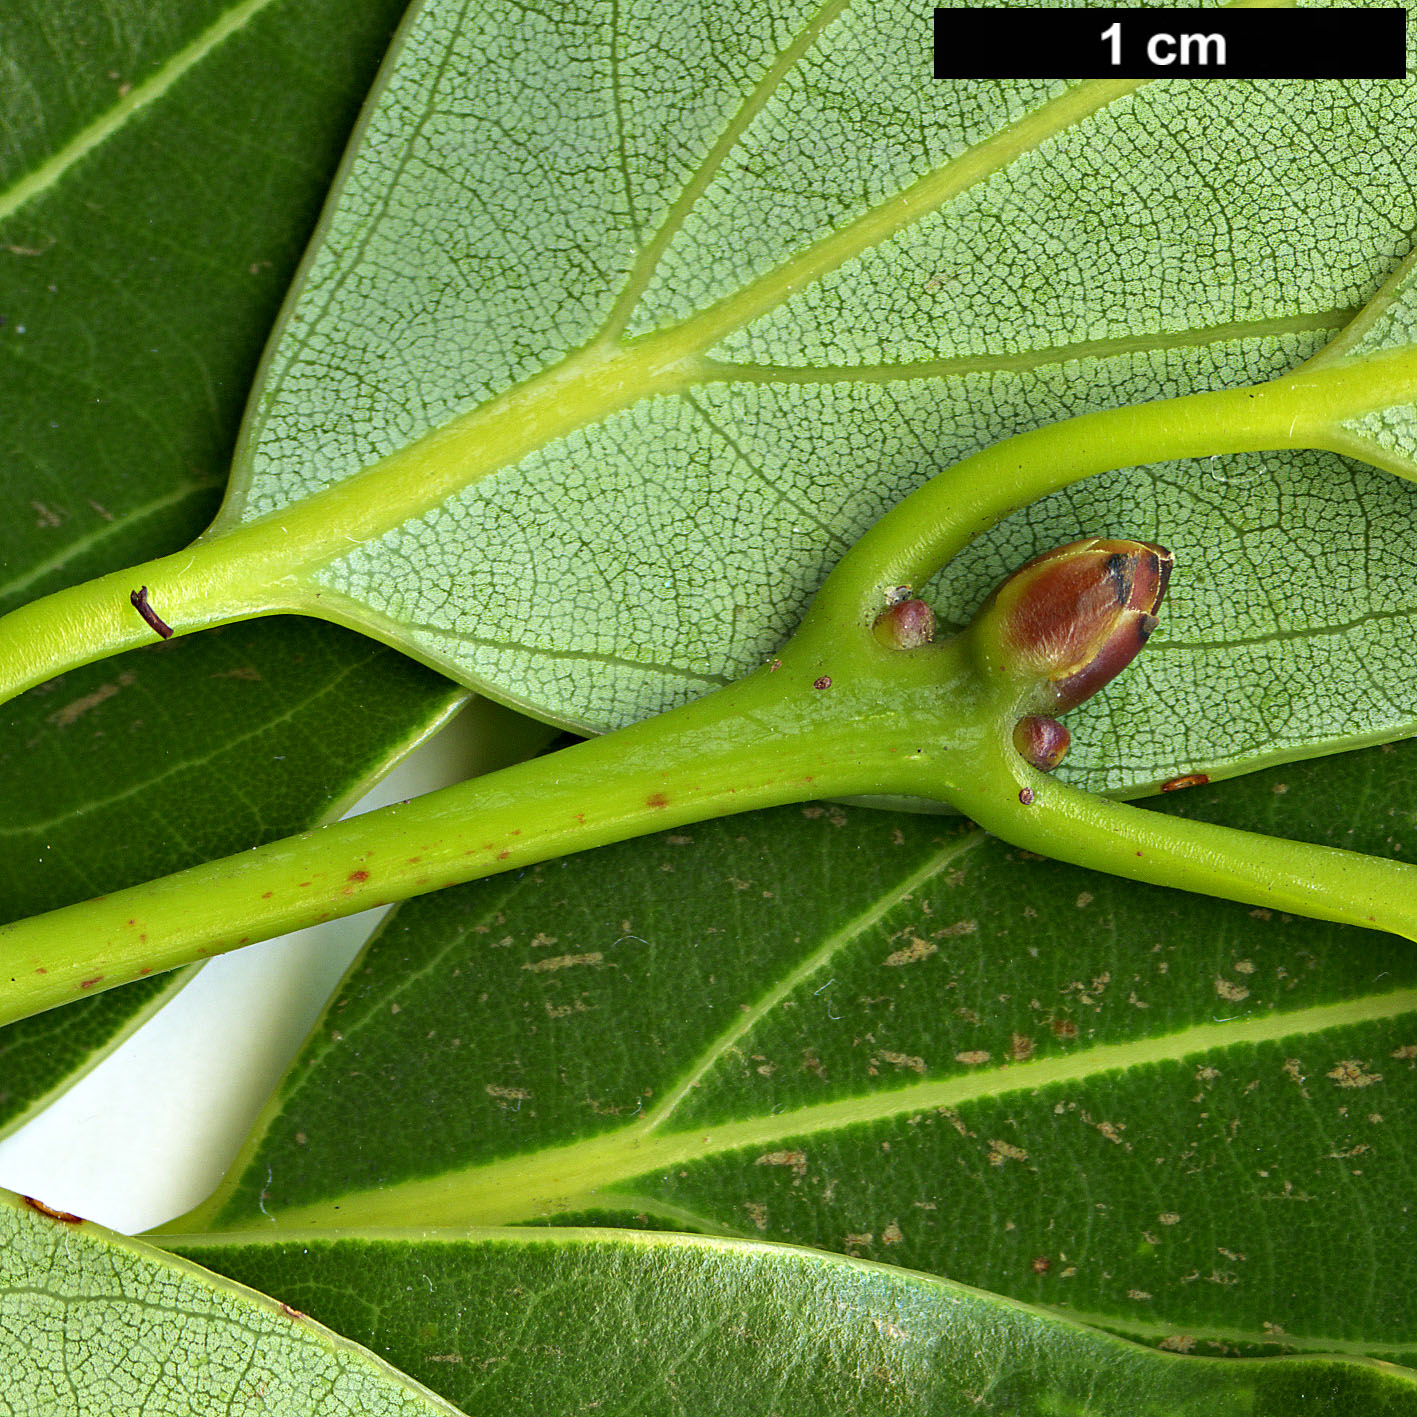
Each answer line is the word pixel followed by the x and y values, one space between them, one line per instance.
pixel 893 1037
pixel 93 1319
pixel 656 525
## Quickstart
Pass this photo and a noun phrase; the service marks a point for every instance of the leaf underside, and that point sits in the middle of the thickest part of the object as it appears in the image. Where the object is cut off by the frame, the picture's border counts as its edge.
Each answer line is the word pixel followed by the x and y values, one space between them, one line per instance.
pixel 863 276
pixel 93 1322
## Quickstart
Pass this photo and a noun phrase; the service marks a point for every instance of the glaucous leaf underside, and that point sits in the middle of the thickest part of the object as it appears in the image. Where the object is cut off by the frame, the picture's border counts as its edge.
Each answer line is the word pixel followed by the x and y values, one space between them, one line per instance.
pixel 857 275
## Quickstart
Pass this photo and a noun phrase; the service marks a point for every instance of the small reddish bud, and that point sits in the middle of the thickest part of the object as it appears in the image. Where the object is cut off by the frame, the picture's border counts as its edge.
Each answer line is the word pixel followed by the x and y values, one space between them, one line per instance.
pixel 907 624
pixel 1074 618
pixel 1041 742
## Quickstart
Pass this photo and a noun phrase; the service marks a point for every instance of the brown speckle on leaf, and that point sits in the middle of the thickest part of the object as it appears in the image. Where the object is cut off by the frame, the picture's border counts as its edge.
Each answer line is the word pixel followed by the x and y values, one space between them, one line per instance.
pixel 545 966
pixel 916 950
pixel 1002 1151
pixel 75 710
pixel 1352 1072
pixel 797 1160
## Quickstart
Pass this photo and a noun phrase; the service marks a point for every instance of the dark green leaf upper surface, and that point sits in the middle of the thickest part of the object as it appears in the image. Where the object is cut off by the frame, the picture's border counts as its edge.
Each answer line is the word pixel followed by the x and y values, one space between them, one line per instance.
pixel 897 1038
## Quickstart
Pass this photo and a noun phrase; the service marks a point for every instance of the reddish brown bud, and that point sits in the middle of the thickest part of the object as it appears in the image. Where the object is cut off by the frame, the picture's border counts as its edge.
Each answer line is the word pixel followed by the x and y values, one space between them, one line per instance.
pixel 1077 616
pixel 907 624
pixel 1041 741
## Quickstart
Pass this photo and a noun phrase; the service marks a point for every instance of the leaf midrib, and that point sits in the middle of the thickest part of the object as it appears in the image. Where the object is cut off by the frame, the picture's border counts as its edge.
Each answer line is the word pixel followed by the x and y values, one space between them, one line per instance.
pixel 576 1176
pixel 605 376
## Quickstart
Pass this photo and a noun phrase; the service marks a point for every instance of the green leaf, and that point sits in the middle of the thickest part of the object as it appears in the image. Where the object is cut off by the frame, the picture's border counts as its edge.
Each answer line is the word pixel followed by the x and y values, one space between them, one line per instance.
pixel 91 1321
pixel 585 1321
pixel 161 164
pixel 608 360
pixel 896 1037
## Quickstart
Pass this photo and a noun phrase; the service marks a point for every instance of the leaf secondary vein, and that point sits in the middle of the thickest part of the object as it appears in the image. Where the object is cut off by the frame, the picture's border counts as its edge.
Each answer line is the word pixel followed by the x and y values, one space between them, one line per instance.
pixel 833 944
pixel 922 197
pixel 648 261
pixel 117 525
pixel 573 1176
pixel 1025 361
pixel 38 181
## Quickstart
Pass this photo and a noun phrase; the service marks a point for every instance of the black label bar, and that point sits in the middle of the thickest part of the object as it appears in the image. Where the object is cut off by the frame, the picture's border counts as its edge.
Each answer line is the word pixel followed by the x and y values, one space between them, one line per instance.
pixel 1170 44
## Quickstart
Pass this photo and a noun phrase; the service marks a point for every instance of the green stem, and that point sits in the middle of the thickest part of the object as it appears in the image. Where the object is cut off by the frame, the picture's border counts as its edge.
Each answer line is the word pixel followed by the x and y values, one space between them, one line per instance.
pixel 773 738
pixel 242 574
pixel 914 539
pixel 1012 800
pixel 838 715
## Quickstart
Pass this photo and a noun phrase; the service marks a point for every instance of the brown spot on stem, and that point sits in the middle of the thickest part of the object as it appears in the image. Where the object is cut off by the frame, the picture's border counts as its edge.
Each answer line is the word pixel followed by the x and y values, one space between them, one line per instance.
pixel 66 1217
pixel 656 799
pixel 89 983
pixel 358 876
pixel 1190 779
